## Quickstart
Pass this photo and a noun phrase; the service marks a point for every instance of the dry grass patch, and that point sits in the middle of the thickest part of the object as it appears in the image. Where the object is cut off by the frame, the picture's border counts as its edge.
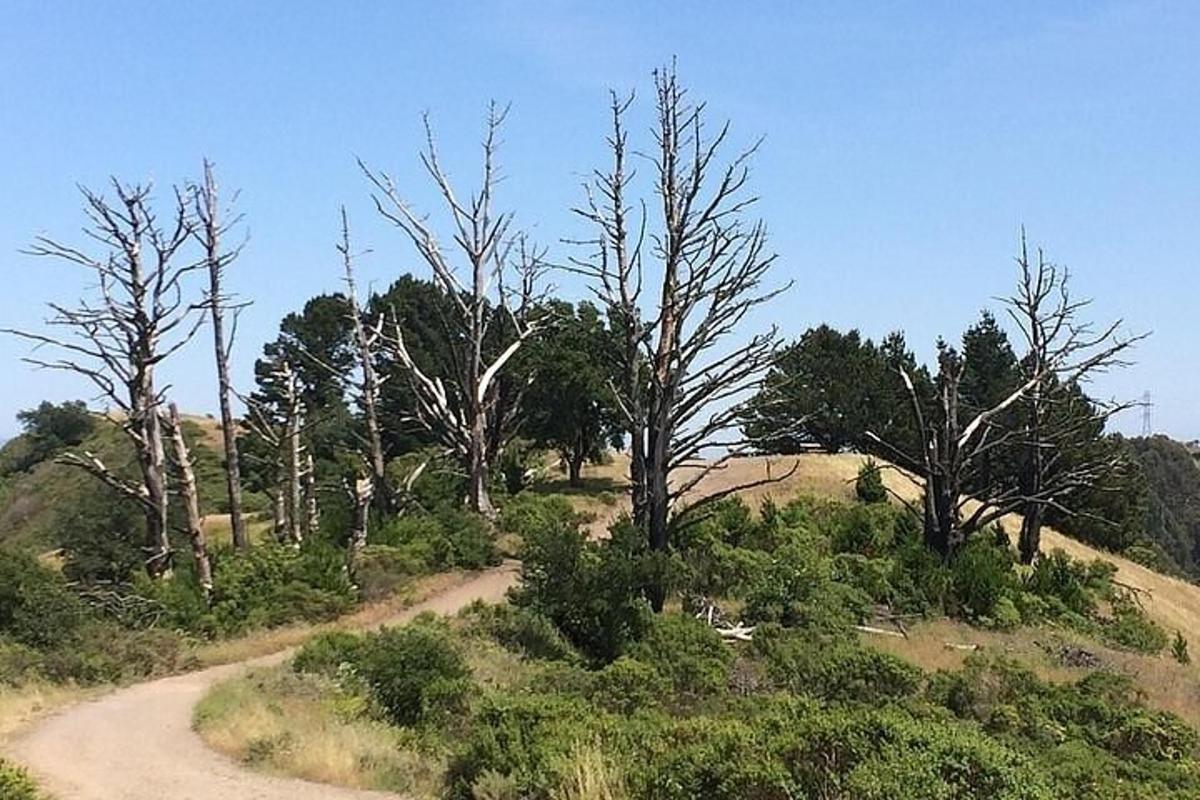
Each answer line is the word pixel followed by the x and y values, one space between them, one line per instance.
pixel 943 644
pixel 20 705
pixel 305 726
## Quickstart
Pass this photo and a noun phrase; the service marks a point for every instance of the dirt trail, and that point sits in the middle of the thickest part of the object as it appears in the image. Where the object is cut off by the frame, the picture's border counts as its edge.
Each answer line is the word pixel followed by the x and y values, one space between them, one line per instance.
pixel 138 743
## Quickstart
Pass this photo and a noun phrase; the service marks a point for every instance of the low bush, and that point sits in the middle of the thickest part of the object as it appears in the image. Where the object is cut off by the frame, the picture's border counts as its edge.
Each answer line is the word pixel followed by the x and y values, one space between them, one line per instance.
pixel 1130 628
pixel 15 783
pixel 838 670
pixel 451 538
pixel 868 486
pixel 591 591
pixel 266 586
pixel 36 607
pixel 982 575
pixel 327 653
pixel 414 672
pixel 687 653
pixel 522 630
pixel 627 685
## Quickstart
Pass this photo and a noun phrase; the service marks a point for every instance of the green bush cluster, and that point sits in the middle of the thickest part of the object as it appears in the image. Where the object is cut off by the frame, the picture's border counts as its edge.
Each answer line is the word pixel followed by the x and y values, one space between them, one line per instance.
pixel 414 674
pixel 449 538
pixel 868 486
pixel 15 783
pixel 590 590
pixel 46 631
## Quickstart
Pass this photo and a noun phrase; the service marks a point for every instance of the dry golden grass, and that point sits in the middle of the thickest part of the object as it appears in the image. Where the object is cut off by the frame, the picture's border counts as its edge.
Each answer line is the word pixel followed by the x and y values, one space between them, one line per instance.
pixel 591 777
pixel 302 726
pixel 1166 684
pixel 22 704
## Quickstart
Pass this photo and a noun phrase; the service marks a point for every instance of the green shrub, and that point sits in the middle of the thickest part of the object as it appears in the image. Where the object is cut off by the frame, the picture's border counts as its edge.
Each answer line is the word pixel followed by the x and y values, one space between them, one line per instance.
pixel 1179 649
pixel 525 739
pixel 868 486
pixel 627 685
pixel 450 538
pixel 591 591
pixel 19 663
pixel 1071 582
pixel 104 653
pixel 687 652
pixel 414 672
pixel 326 653
pixel 797 589
pixel 1132 629
pixel 381 569
pixel 15 783
pixel 36 607
pixel 522 630
pixel 268 585
pixel 841 670
pixel 982 574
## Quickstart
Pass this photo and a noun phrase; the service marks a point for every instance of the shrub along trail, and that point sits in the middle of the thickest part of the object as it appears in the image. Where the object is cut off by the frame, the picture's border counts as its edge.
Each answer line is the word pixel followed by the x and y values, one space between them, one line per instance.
pixel 138 744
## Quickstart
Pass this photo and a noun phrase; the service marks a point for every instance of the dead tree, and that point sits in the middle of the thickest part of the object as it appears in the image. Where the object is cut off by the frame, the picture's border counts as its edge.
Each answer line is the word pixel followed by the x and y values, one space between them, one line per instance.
pixel 367 341
pixel 1069 351
pixel 360 496
pixel 211 228
pixel 193 523
pixel 278 421
pixel 118 339
pixel 462 408
pixel 681 385
pixel 1063 352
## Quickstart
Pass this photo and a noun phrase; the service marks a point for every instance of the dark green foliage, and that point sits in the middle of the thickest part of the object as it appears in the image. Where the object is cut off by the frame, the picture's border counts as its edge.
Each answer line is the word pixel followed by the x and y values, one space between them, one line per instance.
pixel 687 652
pixel 522 630
pixel 102 537
pixel 51 428
pixel 1172 484
pixel 36 608
pixel 829 388
pixel 628 685
pixel 591 591
pixel 1100 715
pixel 983 574
pixel 1132 629
pixel 1179 649
pixel 449 538
pixel 326 653
pixel 15 783
pixel 525 737
pixel 838 669
pixel 868 486
pixel 414 672
pixel 570 407
pixel 268 585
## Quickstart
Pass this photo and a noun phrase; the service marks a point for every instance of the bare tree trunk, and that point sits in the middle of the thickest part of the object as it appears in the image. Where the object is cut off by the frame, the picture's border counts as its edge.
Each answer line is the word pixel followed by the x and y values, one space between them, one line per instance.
pixel 279 526
pixel 191 503
pixel 152 460
pixel 312 516
pixel 211 229
pixel 365 342
pixel 138 318
pixel 465 408
pixel 361 494
pixel 293 504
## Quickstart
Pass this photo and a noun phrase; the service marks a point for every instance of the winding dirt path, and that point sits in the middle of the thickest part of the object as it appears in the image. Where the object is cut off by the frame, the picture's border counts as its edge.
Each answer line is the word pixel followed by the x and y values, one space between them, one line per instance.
pixel 138 744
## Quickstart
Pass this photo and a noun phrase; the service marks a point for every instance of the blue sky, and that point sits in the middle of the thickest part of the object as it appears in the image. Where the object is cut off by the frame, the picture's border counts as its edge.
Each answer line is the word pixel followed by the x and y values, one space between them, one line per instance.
pixel 906 143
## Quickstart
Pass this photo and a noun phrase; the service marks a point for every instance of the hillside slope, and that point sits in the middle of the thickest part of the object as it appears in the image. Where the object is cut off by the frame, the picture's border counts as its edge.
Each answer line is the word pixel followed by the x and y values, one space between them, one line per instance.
pixel 1174 603
pixel 34 502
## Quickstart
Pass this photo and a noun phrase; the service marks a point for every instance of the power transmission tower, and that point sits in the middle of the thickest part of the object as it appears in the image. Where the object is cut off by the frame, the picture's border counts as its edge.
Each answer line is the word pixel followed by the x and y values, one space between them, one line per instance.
pixel 1147 430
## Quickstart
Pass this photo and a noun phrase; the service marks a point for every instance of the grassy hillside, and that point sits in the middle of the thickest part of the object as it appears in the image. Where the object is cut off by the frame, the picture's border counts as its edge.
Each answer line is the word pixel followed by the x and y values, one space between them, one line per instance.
pixel 35 502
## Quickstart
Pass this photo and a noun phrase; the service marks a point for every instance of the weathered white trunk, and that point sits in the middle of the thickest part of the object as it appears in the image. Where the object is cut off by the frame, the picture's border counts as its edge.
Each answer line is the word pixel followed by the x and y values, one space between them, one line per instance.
pixel 191 503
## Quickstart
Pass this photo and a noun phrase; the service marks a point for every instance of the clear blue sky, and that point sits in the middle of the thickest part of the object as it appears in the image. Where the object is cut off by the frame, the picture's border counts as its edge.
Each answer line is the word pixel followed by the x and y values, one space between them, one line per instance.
pixel 905 145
